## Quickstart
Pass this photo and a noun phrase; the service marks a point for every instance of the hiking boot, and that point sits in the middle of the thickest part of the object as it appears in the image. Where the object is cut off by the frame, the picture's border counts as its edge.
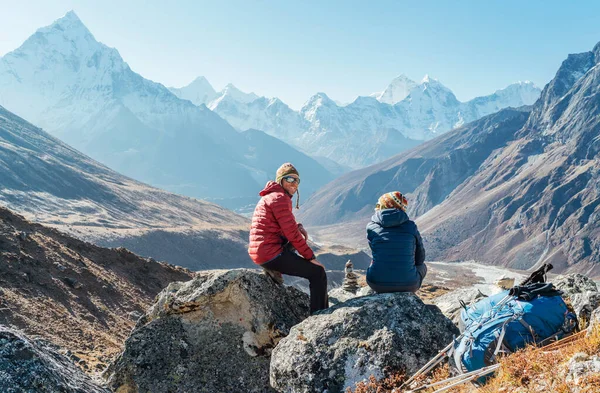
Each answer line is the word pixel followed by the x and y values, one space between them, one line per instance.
pixel 275 275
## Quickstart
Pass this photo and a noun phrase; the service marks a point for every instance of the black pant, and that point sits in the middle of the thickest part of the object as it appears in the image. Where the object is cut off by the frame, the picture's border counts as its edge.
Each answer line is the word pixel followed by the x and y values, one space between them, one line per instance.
pixel 293 264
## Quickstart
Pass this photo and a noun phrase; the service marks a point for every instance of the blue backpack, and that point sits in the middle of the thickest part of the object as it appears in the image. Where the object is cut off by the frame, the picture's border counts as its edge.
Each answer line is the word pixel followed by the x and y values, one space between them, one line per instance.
pixel 508 321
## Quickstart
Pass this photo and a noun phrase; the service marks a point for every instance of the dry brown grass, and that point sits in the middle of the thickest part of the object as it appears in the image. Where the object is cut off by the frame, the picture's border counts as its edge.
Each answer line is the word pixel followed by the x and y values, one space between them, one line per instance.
pixel 526 371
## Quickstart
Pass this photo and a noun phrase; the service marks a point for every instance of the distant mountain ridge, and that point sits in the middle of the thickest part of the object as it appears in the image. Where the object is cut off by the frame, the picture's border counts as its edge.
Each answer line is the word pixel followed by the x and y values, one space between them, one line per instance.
pixel 427 174
pixel 56 185
pixel 370 129
pixel 83 92
pixel 517 188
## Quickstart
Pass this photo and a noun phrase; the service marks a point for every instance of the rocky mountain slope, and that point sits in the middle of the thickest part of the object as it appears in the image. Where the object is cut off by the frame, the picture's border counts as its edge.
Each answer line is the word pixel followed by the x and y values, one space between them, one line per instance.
pixel 370 129
pixel 427 174
pixel 55 184
pixel 81 297
pixel 83 92
pixel 536 200
pixel 517 191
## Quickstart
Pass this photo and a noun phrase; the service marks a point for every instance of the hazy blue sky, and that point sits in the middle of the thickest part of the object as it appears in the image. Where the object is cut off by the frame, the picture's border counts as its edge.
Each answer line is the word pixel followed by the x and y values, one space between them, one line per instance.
pixel 293 49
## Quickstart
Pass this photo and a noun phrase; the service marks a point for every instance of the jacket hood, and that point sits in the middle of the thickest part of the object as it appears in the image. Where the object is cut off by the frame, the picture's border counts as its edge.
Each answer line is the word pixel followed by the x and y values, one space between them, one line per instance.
pixel 390 217
pixel 270 187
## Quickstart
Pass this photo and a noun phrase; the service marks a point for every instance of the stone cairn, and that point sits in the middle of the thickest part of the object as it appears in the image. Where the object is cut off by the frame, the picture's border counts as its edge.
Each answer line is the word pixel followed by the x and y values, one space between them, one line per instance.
pixel 350 283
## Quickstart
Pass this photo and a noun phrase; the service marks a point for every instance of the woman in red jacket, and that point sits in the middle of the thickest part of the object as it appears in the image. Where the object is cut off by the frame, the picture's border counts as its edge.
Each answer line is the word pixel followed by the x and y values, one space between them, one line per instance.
pixel 274 232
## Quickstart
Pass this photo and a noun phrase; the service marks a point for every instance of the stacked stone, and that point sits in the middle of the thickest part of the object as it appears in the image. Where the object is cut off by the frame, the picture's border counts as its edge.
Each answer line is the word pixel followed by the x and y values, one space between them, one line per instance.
pixel 350 283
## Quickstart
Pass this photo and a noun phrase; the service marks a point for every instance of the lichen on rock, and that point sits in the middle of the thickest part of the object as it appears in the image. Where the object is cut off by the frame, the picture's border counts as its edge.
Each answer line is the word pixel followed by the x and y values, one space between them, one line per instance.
pixel 36 366
pixel 582 293
pixel 347 343
pixel 211 334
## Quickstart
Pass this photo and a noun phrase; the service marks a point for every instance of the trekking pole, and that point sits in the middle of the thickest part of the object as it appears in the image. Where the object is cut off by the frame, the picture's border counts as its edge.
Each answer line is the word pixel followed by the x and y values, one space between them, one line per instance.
pixel 481 372
pixel 430 364
pixel 458 377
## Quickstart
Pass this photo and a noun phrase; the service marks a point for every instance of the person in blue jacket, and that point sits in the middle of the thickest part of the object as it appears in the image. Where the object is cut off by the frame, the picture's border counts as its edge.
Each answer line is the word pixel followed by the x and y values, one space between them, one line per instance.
pixel 397 248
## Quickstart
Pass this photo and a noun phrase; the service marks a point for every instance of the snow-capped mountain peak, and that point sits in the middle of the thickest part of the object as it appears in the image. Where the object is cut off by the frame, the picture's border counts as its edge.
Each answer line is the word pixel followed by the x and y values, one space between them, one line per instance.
pixel 231 95
pixel 398 89
pixel 69 23
pixel 365 101
pixel 319 99
pixel 200 91
pixel 514 95
pixel 369 129
pixel 201 83
pixel 527 91
pixel 434 84
pixel 51 70
pixel 276 102
pixel 237 94
pixel 67 35
pixel 318 105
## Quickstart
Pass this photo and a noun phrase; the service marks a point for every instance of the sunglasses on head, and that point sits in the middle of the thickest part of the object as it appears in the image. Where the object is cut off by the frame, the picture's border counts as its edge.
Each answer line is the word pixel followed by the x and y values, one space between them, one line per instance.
pixel 292 179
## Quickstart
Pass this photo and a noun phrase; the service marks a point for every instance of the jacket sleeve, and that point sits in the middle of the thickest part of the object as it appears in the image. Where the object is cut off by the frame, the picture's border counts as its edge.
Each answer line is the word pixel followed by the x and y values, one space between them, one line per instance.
pixel 420 251
pixel 282 210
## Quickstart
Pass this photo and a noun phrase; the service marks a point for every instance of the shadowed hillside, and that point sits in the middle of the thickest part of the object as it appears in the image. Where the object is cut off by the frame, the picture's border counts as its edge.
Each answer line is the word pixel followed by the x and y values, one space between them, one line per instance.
pixel 78 296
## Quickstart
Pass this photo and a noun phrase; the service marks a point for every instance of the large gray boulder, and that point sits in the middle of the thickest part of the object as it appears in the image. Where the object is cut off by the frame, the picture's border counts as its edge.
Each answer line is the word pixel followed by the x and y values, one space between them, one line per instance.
pixel 370 335
pixel 574 283
pixel 212 334
pixel 582 293
pixel 340 295
pixel 36 366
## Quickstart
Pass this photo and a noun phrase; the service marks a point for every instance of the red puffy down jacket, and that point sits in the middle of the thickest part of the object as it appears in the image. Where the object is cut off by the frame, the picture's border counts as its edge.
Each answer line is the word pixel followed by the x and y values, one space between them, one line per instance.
pixel 272 223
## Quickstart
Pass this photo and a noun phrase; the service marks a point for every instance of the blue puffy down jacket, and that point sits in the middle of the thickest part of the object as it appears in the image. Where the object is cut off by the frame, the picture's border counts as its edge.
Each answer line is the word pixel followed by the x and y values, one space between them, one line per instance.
pixel 397 249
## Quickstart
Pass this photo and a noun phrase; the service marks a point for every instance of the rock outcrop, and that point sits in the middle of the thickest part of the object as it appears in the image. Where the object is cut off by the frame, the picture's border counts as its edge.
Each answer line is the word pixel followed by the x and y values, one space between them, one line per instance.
pixel 370 335
pixel 579 369
pixel 582 292
pixel 340 295
pixel 594 321
pixel 214 333
pixel 36 366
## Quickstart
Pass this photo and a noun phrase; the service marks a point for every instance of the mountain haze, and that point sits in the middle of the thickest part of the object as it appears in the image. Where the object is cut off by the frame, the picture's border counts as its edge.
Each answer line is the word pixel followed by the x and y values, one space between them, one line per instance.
pixel 427 174
pixel 370 129
pixel 54 184
pixel 83 92
pixel 516 188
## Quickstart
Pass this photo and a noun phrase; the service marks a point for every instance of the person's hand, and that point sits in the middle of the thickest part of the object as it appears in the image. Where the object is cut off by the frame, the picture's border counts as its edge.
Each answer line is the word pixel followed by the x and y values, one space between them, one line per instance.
pixel 303 231
pixel 314 260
